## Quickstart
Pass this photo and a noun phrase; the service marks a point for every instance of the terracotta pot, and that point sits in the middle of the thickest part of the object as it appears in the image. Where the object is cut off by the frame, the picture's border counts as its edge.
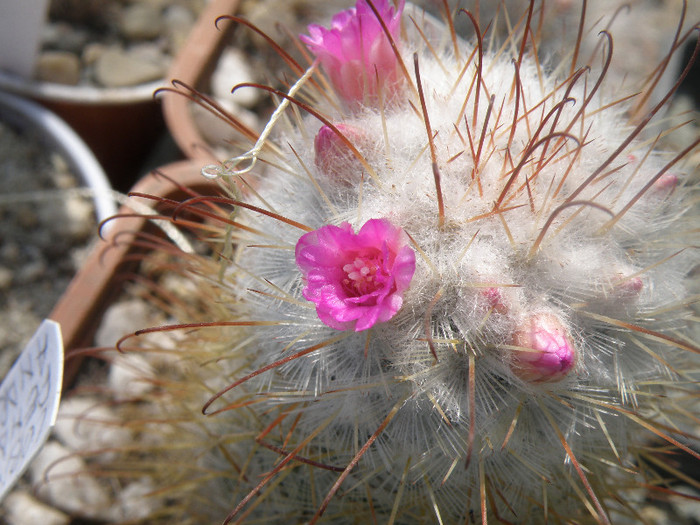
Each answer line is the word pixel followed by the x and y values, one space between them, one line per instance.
pixel 96 284
pixel 193 64
pixel 121 125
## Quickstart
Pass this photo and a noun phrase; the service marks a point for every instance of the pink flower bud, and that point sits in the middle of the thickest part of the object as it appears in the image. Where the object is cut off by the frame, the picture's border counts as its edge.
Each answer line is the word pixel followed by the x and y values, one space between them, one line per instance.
pixel 355 52
pixel 666 183
pixel 356 279
pixel 494 300
pixel 628 288
pixel 545 352
pixel 333 157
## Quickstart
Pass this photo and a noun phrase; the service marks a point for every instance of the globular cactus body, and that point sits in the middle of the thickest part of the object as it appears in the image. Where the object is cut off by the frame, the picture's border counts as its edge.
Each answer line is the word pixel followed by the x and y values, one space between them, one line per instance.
pixel 460 285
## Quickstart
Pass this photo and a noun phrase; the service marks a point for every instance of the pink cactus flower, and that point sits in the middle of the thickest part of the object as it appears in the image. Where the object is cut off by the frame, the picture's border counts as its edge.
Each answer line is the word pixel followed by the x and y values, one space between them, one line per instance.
pixel 356 279
pixel 545 353
pixel 356 54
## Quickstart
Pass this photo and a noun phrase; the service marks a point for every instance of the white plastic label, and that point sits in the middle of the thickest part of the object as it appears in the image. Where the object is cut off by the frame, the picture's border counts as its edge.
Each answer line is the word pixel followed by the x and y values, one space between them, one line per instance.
pixel 29 397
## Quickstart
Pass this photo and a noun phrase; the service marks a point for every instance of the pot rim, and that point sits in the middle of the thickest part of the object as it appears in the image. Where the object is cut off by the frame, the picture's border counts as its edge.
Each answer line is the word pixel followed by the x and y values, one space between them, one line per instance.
pixel 96 283
pixel 79 94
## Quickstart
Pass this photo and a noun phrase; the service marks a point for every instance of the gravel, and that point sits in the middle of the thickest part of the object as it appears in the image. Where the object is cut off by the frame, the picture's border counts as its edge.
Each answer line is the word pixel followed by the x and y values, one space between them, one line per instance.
pixel 46 228
pixel 113 43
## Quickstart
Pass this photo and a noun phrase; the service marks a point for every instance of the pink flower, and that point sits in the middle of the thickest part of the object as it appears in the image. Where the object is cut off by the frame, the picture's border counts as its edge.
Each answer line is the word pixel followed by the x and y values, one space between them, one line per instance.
pixel 356 54
pixel 356 279
pixel 545 352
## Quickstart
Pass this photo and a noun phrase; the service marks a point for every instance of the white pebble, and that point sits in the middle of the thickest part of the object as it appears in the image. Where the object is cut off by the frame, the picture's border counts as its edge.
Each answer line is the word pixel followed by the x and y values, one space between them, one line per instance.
pixel 116 68
pixel 62 480
pixel 70 217
pixel 129 376
pixel 178 21
pixel 219 133
pixel 140 21
pixel 84 424
pixel 232 69
pixel 135 502
pixel 5 278
pixel 59 67
pixel 119 320
pixel 23 509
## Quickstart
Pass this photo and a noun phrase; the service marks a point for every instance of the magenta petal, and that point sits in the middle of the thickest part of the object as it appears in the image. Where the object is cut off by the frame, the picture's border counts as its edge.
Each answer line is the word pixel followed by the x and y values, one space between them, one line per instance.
pixel 404 267
pixel 368 320
pixel 331 321
pixel 356 280
pixel 320 247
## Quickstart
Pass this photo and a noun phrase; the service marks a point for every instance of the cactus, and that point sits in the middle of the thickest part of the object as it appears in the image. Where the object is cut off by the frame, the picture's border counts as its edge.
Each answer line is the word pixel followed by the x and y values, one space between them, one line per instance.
pixel 449 284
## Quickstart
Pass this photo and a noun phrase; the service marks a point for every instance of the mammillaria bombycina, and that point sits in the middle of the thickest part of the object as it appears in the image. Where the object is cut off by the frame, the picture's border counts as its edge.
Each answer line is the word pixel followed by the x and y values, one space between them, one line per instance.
pixel 454 288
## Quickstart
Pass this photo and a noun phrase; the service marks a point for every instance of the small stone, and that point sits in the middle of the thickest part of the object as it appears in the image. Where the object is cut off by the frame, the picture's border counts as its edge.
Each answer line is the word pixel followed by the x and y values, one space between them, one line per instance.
pixel 27 217
pixel 167 343
pixel 116 68
pixel 79 254
pixel 85 424
pixel 178 20
pixel 31 271
pixel 157 4
pixel 10 252
pixel 63 180
pixel 61 36
pixel 60 67
pixel 70 217
pixel 121 319
pixel 5 278
pixel 59 165
pixel 81 12
pixel 62 480
pixel 92 52
pixel 140 21
pixel 22 509
pixel 219 133
pixel 130 376
pixel 652 514
pixel 151 52
pixel 232 69
pixel 688 508
pixel 135 502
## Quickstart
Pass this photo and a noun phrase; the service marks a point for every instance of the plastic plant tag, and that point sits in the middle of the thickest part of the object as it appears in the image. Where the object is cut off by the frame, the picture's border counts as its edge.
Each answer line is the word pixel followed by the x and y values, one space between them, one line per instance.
pixel 29 397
